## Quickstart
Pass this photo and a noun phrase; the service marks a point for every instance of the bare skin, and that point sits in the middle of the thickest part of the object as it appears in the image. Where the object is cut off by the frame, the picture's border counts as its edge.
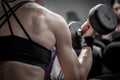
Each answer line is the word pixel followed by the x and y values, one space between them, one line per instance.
pixel 116 9
pixel 49 30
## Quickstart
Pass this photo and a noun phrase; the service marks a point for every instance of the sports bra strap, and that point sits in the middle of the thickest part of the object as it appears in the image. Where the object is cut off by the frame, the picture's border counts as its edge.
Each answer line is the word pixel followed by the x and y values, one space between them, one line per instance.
pixel 7 18
pixel 10 13
pixel 13 9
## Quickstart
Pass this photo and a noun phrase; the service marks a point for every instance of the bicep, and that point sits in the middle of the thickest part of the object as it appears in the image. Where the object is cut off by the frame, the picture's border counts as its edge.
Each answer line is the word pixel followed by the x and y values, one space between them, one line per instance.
pixel 65 53
pixel 64 43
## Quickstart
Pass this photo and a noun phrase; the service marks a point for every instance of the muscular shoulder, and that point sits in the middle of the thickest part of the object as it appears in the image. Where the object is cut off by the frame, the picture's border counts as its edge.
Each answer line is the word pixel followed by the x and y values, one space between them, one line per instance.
pixel 52 19
pixel 55 19
pixel 52 15
pixel 48 14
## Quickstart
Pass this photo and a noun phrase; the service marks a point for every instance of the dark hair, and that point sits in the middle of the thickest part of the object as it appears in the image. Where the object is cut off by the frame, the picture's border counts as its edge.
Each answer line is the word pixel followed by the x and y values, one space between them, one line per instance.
pixel 114 1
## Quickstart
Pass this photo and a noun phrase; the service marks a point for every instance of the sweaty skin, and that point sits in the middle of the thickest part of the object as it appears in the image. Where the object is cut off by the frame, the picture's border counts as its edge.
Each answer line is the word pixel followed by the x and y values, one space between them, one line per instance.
pixel 49 30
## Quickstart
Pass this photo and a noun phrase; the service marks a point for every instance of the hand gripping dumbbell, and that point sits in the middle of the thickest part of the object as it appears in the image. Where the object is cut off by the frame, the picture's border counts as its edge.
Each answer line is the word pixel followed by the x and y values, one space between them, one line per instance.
pixel 102 19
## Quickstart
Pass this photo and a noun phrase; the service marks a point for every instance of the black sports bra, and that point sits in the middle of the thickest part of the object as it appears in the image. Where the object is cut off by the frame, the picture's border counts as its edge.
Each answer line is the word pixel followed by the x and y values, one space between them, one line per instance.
pixel 15 48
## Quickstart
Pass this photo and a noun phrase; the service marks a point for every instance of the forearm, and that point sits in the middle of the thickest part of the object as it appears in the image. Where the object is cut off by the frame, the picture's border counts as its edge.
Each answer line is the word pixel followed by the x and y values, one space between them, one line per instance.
pixel 85 59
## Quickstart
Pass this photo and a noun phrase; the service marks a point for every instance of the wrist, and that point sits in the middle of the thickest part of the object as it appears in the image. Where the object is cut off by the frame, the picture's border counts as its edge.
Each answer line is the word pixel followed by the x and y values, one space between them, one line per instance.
pixel 87 41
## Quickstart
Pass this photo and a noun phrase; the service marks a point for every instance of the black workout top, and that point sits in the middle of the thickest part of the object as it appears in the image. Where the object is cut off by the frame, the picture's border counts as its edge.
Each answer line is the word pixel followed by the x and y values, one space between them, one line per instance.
pixel 15 48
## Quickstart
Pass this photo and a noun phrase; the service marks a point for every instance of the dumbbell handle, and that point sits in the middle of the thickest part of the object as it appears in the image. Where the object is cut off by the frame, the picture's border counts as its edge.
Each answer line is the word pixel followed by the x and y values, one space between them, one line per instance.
pixel 82 30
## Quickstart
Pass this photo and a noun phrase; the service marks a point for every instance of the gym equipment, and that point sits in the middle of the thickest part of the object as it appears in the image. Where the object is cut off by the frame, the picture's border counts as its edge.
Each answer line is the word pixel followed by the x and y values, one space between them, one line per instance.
pixel 74 26
pixel 102 19
pixel 99 44
pixel 111 57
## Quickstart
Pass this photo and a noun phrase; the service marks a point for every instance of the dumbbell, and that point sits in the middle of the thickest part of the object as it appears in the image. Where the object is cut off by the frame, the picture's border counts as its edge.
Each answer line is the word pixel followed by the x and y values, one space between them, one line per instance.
pixel 102 19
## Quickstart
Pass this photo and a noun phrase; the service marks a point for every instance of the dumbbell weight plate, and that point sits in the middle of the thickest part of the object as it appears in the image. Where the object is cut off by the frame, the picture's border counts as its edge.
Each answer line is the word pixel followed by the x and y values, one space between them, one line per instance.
pixel 102 18
pixel 74 26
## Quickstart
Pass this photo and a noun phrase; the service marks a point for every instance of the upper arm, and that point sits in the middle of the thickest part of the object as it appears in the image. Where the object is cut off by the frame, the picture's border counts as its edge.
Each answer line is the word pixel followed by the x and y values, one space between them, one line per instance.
pixel 65 53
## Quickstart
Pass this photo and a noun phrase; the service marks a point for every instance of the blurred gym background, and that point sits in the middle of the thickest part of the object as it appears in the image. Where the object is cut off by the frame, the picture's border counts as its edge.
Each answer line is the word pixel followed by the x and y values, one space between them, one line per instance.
pixel 73 9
